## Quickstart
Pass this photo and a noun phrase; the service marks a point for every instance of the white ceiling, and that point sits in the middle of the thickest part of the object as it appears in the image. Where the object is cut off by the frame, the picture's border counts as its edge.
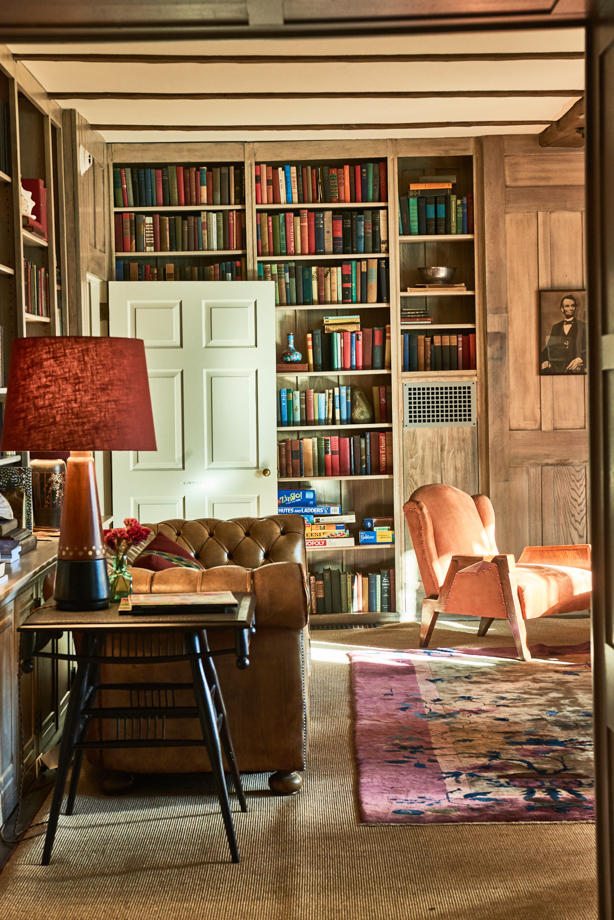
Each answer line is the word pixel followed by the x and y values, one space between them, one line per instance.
pixel 232 117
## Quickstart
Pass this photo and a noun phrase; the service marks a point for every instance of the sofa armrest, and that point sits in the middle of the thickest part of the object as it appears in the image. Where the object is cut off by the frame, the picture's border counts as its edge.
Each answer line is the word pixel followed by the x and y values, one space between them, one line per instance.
pixel 576 557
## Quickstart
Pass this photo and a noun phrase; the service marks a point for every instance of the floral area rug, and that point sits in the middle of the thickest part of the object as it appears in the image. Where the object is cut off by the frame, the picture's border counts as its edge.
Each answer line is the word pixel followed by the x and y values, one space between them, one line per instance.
pixel 448 736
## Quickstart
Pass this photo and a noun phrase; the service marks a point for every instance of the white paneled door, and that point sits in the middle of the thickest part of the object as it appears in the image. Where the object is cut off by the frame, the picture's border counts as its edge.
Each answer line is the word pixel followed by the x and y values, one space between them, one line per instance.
pixel 211 358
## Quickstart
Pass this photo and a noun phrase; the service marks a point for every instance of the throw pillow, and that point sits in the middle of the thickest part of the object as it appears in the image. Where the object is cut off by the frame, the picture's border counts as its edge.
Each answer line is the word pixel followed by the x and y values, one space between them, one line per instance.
pixel 166 551
pixel 135 550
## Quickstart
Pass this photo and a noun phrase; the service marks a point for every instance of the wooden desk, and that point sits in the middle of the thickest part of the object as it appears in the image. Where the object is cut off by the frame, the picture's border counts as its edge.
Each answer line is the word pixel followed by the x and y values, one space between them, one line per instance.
pixel 127 645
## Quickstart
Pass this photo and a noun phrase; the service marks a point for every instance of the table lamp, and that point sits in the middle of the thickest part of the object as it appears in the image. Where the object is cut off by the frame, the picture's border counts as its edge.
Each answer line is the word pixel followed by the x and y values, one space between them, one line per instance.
pixel 81 394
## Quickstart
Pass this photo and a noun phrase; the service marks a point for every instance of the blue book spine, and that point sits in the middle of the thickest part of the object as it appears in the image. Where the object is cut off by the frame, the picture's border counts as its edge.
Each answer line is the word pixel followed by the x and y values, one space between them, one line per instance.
pixel 119 271
pixel 148 197
pixel 322 408
pixel 405 351
pixel 199 222
pixel 413 352
pixel 353 351
pixel 283 404
pixel 354 281
pixel 337 409
pixel 440 210
pixel 260 271
pixel 307 292
pixel 334 357
pixel 367 456
pixel 430 215
pixel 296 407
pixel 288 185
pixel 348 405
pixel 372 592
pixel 203 183
pixel 400 221
pixel 342 405
pixel 309 509
pixel 363 281
pixel 360 233
pixel 465 215
pixel 296 497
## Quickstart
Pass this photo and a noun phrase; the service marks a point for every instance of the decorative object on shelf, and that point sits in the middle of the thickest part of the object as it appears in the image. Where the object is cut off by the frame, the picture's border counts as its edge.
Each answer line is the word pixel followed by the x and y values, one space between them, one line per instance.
pixel 35 220
pixel 48 480
pixel 562 332
pixel 16 486
pixel 362 412
pixel 437 274
pixel 291 355
pixel 122 543
pixel 96 397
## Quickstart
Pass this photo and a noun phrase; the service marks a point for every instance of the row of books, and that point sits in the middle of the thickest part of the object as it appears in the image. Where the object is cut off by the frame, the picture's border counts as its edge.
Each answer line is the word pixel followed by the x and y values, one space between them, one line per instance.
pixel 321 233
pixel 36 293
pixel 5 138
pixel 162 270
pixel 332 406
pixel 438 352
pixel 357 281
pixel 168 186
pixel 208 231
pixel 361 455
pixel 313 184
pixel 435 213
pixel 365 349
pixel 333 591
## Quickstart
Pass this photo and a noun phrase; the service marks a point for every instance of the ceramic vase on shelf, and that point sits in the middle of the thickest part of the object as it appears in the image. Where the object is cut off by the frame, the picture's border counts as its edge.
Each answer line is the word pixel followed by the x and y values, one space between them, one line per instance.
pixel 120 579
pixel 291 355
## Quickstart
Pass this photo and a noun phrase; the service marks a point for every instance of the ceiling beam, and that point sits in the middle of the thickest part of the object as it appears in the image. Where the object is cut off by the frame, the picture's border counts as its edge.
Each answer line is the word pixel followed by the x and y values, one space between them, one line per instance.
pixel 568 131
pixel 374 126
pixel 131 58
pixel 383 94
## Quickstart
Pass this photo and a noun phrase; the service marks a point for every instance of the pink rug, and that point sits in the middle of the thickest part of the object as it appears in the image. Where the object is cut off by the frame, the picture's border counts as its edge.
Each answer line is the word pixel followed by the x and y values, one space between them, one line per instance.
pixel 473 735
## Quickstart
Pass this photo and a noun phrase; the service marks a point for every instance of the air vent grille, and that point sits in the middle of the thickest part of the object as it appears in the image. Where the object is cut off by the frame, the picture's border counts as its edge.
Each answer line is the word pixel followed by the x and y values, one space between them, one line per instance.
pixel 439 405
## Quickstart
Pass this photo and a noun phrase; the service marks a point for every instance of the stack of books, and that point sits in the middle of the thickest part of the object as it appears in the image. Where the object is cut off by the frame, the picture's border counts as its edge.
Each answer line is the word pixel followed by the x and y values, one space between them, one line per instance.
pixel 363 349
pixel 438 352
pixel 332 406
pixel 362 455
pixel 297 184
pixel 435 287
pixel 355 281
pixel 430 208
pixel 378 531
pixel 414 315
pixel 334 591
pixel 36 293
pixel 321 232
pixel 161 270
pixel 204 232
pixel 168 186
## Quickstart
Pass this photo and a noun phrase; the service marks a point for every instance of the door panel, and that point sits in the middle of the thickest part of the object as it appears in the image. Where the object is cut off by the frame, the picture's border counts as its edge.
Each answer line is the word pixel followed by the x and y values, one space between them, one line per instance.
pixel 210 350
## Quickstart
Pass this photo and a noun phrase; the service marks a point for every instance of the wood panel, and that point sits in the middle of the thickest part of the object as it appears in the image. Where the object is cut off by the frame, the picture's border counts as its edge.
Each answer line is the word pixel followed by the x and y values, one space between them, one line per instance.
pixel 548 448
pixel 564 507
pixel 523 326
pixel 536 170
pixel 550 198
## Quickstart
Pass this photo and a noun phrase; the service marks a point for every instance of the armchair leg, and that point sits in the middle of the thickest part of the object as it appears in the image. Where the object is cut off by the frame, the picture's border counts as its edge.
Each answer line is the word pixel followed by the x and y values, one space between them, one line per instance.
pixel 519 632
pixel 429 618
pixel 509 586
pixel 485 624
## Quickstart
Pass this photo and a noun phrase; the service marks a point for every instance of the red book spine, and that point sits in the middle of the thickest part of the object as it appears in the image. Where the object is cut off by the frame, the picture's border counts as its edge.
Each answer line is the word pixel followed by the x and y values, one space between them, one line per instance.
pixel 288 456
pixel 270 232
pixel 277 188
pixel 320 284
pixel 269 185
pixel 259 235
pixel 119 233
pixel 374 444
pixel 186 186
pixel 264 192
pixel 344 456
pixel 309 405
pixel 156 232
pixel 124 188
pixel 289 233
pixel 194 191
pixel 383 184
pixel 346 183
pixel 359 350
pixel 382 452
pixel 159 195
pixel 341 184
pixel 470 225
pixel 281 459
pixel 347 350
pixel 209 186
pixel 334 455
pixel 311 232
pixel 147 273
pixel 305 232
pixel 232 243
pixel 472 362
pixel 382 404
pixel 126 225
pixel 367 348
pixel 314 186
pixel 328 461
pixel 258 185
pixel 357 184
pixel 180 185
pixel 216 271
pixel 389 451
pixel 305 186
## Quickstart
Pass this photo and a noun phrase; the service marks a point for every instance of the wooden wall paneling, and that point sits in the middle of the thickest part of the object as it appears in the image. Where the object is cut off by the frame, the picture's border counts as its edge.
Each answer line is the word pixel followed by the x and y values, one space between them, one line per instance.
pixel 51 227
pixel 549 198
pixel 251 243
pixel 528 145
pixel 480 314
pixel 548 448
pixel 522 286
pixel 564 504
pixel 434 147
pixel 544 170
pixel 534 483
pixel 19 327
pixel 296 151
pixel 545 282
pixel 518 513
pixel 178 152
pixel 73 223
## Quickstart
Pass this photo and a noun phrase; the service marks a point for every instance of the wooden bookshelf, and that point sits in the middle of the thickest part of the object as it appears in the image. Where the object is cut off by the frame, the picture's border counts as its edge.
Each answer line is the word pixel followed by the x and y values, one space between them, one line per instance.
pixel 177 208
pixel 437 238
pixel 330 307
pixel 359 547
pixel 327 257
pixel 325 206
pixel 31 239
pixel 340 427
pixel 184 253
pixel 371 477
pixel 405 327
pixel 6 270
pixel 337 373
pixel 438 294
pixel 4 178
pixel 34 318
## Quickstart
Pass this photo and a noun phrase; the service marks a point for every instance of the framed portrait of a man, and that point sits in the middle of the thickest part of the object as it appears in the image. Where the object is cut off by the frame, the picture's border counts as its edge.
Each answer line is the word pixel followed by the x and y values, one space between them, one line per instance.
pixel 562 332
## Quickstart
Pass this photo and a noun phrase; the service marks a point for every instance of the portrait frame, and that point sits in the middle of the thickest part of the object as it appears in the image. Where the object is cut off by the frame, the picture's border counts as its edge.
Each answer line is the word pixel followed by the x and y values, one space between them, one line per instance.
pixel 562 333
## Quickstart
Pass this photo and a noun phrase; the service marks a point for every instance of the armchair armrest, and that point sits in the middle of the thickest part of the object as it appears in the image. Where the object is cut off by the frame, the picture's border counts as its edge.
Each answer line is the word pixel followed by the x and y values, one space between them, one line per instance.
pixel 577 557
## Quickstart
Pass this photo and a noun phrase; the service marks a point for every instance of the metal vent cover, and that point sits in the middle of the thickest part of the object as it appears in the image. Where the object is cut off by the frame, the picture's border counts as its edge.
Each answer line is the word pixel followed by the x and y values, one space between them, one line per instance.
pixel 439 405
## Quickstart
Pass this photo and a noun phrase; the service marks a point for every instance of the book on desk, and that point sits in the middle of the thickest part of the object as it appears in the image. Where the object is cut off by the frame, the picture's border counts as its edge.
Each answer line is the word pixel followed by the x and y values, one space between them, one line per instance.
pixel 155 604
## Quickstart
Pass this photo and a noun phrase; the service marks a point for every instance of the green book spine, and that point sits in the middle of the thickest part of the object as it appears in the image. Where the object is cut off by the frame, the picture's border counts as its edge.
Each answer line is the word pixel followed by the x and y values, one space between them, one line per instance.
pixel 283 247
pixel 274 279
pixel 216 185
pixel 220 230
pixel 321 455
pixel 307 291
pixel 328 593
pixel 370 182
pixel 413 216
pixel 117 188
pixel 354 283
pixel 344 592
pixel 172 182
pixel 140 233
pixel 129 187
pixel 459 215
pixel 335 578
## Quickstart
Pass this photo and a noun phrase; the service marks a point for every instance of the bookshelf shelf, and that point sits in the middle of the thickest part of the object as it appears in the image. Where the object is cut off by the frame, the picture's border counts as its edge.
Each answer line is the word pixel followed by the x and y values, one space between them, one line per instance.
pixel 337 373
pixel 30 239
pixel 432 293
pixel 324 206
pixel 334 478
pixel 343 619
pixel 328 427
pixel 359 547
pixel 339 257
pixel 433 375
pixel 6 461
pixel 4 177
pixel 184 253
pixel 405 327
pixel 177 208
pixel 33 318
pixel 6 270
pixel 437 238
pixel 327 307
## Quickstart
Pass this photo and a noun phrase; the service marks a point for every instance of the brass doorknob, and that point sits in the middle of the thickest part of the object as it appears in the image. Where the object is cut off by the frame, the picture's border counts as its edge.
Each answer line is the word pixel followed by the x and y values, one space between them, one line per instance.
pixel 266 472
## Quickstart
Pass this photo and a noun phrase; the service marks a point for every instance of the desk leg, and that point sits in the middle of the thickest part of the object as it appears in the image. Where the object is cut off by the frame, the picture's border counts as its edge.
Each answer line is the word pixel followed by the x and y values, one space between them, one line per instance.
pixel 226 740
pixel 72 727
pixel 208 722
pixel 98 645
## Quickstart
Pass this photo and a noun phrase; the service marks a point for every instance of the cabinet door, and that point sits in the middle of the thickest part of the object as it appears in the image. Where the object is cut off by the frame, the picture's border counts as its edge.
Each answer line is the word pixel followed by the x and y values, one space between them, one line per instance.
pixel 24 604
pixel 9 714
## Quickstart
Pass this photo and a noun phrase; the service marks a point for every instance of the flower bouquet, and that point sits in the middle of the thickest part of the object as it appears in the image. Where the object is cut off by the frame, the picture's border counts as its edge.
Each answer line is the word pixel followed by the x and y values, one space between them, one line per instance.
pixel 124 544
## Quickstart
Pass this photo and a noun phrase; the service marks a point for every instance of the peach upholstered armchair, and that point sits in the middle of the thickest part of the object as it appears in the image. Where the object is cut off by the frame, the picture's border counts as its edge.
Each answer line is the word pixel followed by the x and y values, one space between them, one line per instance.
pixel 463 572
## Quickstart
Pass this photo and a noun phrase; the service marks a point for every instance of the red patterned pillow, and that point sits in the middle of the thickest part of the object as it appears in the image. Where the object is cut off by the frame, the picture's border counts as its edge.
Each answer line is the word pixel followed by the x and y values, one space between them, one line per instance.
pixel 164 553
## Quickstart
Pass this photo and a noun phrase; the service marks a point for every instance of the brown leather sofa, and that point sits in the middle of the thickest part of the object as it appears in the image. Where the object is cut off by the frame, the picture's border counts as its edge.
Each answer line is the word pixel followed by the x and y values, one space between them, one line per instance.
pixel 267 703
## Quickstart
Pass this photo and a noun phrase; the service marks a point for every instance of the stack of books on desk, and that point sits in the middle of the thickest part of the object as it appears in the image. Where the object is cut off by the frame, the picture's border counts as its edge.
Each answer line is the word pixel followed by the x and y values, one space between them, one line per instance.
pixel 14 540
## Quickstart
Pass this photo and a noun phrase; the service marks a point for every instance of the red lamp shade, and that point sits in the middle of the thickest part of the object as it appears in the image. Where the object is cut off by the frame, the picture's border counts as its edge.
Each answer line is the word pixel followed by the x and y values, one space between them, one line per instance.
pixel 78 393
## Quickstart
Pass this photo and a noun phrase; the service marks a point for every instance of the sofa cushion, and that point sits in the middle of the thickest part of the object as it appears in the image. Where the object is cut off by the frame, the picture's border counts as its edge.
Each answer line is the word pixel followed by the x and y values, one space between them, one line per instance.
pixel 548 589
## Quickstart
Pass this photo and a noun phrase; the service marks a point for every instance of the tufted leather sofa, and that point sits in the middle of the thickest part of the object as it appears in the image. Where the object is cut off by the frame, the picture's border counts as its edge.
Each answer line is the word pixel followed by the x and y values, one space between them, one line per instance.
pixel 267 704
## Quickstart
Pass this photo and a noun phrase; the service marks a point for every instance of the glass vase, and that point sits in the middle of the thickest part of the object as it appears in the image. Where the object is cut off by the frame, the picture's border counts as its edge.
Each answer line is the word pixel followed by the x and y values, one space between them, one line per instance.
pixel 120 580
pixel 291 355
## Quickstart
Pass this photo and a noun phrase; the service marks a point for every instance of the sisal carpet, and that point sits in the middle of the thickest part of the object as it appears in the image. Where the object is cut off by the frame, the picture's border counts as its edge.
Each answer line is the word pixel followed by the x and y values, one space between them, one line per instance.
pixel 473 735
pixel 161 852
